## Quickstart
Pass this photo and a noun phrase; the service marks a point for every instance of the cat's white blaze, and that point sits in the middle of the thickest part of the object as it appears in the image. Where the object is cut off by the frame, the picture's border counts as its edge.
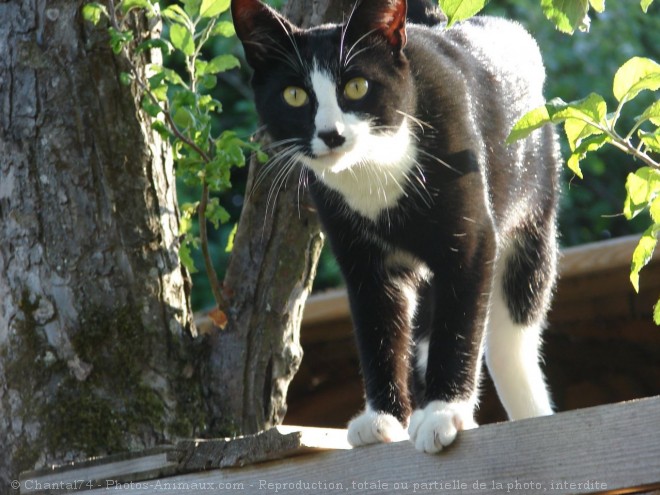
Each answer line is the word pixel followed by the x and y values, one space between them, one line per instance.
pixel 329 116
pixel 513 355
pixel 369 170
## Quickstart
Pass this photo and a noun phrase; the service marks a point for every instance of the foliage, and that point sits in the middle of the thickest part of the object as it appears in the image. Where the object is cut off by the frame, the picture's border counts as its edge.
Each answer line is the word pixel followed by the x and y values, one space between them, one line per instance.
pixel 181 107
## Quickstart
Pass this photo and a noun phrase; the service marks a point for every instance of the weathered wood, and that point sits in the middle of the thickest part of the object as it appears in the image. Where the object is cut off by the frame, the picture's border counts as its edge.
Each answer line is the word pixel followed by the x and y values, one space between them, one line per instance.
pixel 102 472
pixel 606 449
pixel 275 443
pixel 187 456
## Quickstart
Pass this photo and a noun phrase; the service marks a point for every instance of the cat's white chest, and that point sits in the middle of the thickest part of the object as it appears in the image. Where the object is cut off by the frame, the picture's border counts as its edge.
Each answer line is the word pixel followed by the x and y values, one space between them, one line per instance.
pixel 370 188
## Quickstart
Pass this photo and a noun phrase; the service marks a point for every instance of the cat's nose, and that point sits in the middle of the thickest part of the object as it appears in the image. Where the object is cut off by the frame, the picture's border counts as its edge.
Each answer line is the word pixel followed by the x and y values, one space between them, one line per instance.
pixel 332 138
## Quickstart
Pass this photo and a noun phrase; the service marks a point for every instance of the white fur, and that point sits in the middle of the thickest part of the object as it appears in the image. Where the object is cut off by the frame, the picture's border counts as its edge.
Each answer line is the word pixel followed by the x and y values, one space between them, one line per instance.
pixel 369 170
pixel 435 427
pixel 375 427
pixel 422 358
pixel 512 356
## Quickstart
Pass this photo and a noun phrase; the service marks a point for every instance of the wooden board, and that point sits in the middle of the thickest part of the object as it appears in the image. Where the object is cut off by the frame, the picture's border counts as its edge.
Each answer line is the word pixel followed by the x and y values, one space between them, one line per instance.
pixel 186 456
pixel 575 262
pixel 607 449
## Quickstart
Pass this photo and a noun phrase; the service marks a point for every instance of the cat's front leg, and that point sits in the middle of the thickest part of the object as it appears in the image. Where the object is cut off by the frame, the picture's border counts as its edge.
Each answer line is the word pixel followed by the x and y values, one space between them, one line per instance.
pixel 452 343
pixel 381 309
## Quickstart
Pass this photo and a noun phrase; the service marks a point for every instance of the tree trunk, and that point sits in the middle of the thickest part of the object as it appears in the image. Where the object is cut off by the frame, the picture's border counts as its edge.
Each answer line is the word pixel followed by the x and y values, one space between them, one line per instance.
pixel 268 279
pixel 93 313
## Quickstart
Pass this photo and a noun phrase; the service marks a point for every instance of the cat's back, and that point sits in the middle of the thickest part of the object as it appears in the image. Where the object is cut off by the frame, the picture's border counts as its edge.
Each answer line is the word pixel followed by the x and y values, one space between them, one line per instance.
pixel 498 54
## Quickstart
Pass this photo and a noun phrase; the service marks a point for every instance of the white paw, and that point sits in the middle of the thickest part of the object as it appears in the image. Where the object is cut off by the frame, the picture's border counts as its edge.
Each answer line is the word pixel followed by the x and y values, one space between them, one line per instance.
pixel 436 426
pixel 374 427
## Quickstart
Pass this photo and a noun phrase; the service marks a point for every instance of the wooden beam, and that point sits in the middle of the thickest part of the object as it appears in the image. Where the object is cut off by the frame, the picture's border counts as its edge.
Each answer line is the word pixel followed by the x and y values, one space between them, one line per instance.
pixel 574 262
pixel 607 449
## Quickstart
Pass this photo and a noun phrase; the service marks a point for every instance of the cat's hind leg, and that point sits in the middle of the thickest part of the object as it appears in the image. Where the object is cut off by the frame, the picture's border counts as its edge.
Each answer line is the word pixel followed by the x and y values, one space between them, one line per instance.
pixel 522 288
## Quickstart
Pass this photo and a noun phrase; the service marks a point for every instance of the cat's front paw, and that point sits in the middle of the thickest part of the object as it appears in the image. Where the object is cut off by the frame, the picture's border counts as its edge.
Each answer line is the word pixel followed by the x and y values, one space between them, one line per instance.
pixel 436 426
pixel 375 427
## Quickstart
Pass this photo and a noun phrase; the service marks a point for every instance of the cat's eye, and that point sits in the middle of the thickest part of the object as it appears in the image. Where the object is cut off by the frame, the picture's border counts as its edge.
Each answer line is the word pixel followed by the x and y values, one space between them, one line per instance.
pixel 295 96
pixel 356 88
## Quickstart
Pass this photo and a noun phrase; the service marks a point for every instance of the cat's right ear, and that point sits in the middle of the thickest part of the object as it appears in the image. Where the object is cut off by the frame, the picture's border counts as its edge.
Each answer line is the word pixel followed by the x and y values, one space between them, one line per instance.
pixel 259 28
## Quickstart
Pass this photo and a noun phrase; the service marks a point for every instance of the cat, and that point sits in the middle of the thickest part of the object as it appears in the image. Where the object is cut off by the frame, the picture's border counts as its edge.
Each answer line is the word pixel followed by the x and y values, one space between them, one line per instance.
pixel 445 235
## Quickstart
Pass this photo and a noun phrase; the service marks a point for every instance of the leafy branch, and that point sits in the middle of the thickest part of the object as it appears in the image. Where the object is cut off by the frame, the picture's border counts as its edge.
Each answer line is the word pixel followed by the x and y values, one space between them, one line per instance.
pixel 181 109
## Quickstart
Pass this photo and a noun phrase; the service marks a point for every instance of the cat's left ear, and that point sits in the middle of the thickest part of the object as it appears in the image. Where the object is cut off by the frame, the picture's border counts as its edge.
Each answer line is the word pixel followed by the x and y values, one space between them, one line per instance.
pixel 386 17
pixel 260 28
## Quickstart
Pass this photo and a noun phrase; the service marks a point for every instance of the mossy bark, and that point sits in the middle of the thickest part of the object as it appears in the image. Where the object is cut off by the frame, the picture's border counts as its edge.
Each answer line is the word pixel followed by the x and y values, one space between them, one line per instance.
pixel 94 319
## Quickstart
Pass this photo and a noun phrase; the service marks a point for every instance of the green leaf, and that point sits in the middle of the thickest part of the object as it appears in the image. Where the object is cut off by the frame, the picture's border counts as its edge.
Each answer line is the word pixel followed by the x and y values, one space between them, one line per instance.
pixel 651 139
pixel 591 109
pixel 216 214
pixel 642 255
pixel 119 38
pixel 641 187
pixel 636 75
pixel 93 11
pixel 221 63
pixel 149 107
pixel 566 14
pixel 528 123
pixel 583 114
pixel 576 130
pixel 597 5
pixel 645 4
pixel 656 313
pixel 651 113
pixel 127 5
pixel 125 78
pixel 160 92
pixel 161 129
pixel 654 210
pixel 158 43
pixel 183 118
pixel 213 8
pixel 186 258
pixel 458 10
pixel 230 240
pixel 223 28
pixel 182 39
pixel 208 81
pixel 589 144
pixel 176 14
pixel 192 7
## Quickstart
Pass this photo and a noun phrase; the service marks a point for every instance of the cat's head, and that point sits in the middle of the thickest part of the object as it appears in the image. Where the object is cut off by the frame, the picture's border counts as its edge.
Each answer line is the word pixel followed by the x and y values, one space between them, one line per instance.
pixel 335 95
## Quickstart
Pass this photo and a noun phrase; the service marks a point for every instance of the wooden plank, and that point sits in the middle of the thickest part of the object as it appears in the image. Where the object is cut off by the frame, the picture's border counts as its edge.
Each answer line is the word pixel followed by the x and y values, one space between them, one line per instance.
pixel 606 449
pixel 598 256
pixel 275 443
pixel 186 456
pixel 574 262
pixel 94 473
pixel 326 306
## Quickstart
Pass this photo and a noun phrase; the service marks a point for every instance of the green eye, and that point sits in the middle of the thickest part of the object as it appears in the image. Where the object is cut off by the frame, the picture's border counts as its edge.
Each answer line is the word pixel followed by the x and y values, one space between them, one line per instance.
pixel 295 96
pixel 356 88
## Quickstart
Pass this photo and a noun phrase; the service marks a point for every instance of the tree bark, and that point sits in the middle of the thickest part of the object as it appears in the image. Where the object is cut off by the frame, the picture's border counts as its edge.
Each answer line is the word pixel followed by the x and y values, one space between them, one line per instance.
pixel 253 360
pixel 94 318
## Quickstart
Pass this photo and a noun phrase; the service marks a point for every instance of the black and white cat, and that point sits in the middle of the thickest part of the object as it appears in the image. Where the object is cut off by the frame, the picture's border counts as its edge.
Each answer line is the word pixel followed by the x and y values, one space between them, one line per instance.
pixel 445 235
